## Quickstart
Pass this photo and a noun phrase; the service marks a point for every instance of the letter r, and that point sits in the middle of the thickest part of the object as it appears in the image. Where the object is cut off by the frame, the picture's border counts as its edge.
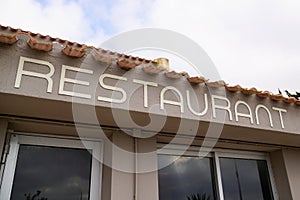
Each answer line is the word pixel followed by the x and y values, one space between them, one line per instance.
pixel 21 72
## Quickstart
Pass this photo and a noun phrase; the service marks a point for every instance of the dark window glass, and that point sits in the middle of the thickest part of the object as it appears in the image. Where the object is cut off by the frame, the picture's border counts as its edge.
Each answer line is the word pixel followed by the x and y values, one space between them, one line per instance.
pixel 52 173
pixel 186 177
pixel 244 179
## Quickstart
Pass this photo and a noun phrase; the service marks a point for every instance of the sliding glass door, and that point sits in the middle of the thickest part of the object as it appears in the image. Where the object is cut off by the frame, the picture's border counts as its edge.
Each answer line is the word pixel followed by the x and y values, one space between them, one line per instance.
pixel 224 176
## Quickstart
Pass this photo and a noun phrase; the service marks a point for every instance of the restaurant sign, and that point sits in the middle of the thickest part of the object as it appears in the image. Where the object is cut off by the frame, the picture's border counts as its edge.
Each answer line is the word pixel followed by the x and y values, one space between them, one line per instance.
pixel 182 99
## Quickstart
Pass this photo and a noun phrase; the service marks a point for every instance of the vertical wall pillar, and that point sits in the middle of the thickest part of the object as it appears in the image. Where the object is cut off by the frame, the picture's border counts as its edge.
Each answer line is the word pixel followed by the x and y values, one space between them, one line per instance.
pixel 147 179
pixel 106 170
pixel 122 180
pixel 280 174
pixel 133 175
pixel 286 165
pixel 3 131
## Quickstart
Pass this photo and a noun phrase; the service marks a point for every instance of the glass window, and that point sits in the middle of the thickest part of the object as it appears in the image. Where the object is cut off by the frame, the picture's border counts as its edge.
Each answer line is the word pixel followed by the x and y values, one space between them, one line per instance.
pixel 185 178
pixel 50 168
pixel 245 179
pixel 226 175
pixel 52 173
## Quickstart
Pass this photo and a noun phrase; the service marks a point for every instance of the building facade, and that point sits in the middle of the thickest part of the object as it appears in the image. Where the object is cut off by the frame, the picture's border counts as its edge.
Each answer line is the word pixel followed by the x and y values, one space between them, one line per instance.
pixel 78 122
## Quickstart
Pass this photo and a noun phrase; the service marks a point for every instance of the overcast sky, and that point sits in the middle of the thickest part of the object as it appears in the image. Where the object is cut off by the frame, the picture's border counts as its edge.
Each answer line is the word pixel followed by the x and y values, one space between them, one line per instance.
pixel 252 42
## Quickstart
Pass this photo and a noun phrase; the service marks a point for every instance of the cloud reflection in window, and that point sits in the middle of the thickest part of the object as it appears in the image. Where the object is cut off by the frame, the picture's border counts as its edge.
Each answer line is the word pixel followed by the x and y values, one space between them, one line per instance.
pixel 58 173
pixel 184 177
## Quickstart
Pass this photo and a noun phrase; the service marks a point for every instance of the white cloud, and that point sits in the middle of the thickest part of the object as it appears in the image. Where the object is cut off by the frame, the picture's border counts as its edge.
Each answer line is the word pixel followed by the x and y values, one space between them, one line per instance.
pixel 252 42
pixel 126 15
pixel 58 18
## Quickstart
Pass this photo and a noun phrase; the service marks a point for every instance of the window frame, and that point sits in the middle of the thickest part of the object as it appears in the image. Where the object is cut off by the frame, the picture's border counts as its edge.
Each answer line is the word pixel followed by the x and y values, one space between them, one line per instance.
pixel 96 146
pixel 216 154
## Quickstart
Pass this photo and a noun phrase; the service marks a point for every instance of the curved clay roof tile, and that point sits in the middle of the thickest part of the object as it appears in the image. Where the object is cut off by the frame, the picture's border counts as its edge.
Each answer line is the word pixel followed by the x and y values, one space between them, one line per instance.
pixel 173 75
pixel 290 100
pixel 8 38
pixel 126 64
pixel 249 91
pixel 197 80
pixel 42 46
pixel 74 52
pixel 264 94
pixel 216 84
pixel 102 58
pixel 152 69
pixel 277 97
pixel 235 88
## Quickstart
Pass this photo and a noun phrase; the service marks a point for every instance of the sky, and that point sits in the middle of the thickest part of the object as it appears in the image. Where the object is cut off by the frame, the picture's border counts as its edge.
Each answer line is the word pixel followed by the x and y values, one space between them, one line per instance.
pixel 253 43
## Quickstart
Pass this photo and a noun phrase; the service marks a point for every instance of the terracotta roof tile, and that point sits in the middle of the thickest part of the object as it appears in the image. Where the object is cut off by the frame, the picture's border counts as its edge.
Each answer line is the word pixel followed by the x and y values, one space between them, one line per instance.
pixel 36 41
pixel 73 51
pixel 43 46
pixel 126 64
pixel 140 59
pixel 176 75
pixel 216 84
pixel 43 36
pixel 134 58
pixel 8 38
pixel 249 91
pixel 102 58
pixel 264 94
pixel 290 100
pixel 277 97
pixel 152 69
pixel 197 80
pixel 235 88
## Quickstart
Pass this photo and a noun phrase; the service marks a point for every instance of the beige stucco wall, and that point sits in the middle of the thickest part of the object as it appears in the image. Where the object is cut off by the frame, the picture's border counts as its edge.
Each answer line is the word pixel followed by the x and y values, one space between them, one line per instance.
pixel 286 165
pixel 37 88
pixel 125 183
pixel 280 174
pixel 147 182
pixel 292 162
pixel 122 182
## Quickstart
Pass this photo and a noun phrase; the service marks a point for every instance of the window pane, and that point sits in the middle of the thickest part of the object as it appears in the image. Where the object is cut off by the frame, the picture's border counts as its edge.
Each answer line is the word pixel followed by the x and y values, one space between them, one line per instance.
pixel 185 177
pixel 52 173
pixel 244 179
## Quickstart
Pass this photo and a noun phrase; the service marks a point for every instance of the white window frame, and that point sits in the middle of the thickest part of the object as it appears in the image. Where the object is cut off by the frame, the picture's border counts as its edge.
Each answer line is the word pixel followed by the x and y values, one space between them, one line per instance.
pixel 216 154
pixel 92 145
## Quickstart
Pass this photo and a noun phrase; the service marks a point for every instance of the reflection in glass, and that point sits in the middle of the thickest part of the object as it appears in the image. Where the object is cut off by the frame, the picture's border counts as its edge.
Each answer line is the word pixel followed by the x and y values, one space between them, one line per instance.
pixel 185 177
pixel 244 179
pixel 52 173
